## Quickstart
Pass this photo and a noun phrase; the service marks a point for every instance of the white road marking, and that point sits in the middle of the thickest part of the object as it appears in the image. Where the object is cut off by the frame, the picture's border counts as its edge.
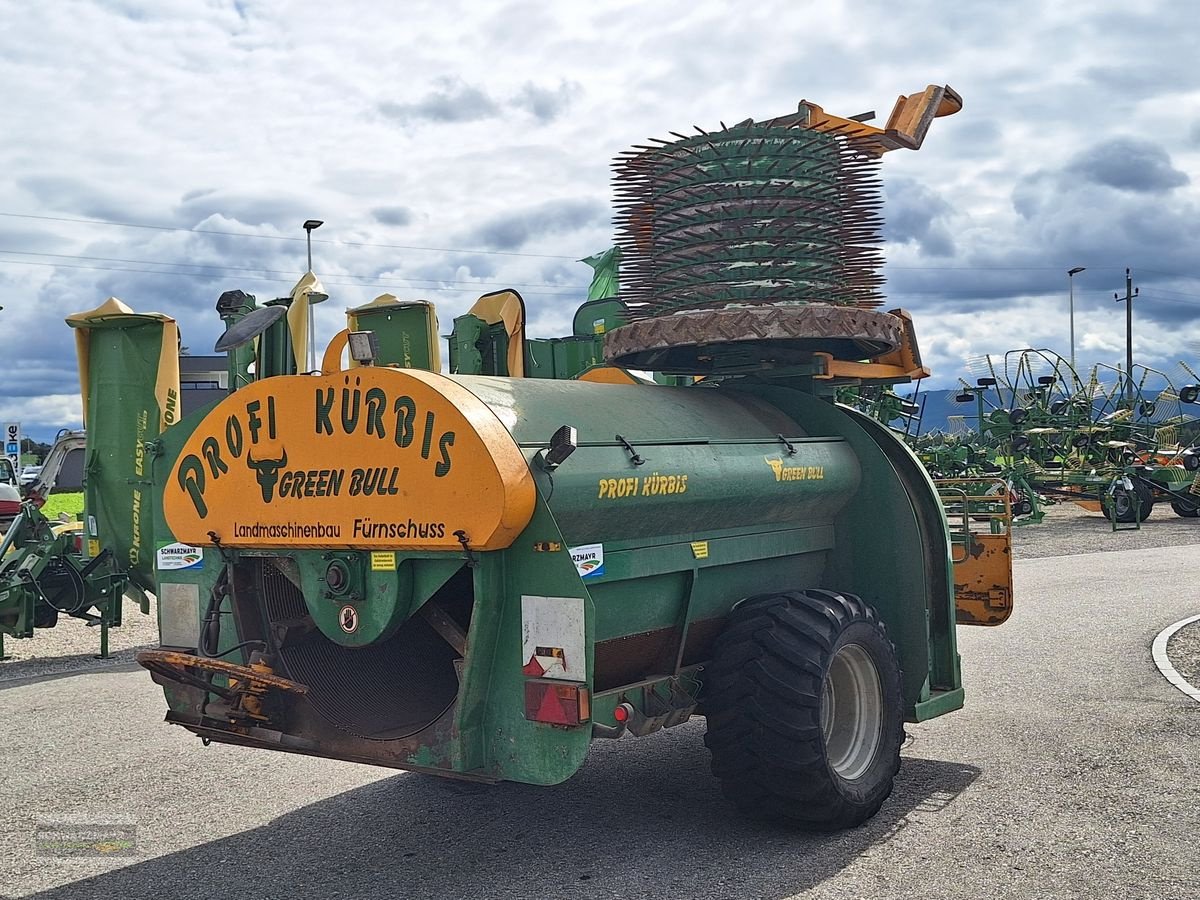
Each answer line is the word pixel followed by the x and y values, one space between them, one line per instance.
pixel 1159 651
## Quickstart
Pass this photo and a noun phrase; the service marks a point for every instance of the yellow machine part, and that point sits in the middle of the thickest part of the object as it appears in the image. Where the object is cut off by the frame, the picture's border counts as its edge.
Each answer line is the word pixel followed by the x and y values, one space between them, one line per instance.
pixel 297 315
pixel 370 457
pixel 603 374
pixel 509 308
pixel 166 387
pixel 902 364
pixel 983 593
pixel 981 537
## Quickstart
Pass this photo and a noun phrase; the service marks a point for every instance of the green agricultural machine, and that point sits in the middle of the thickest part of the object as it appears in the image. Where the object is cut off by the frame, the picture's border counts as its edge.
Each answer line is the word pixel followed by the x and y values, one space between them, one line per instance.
pixel 1107 444
pixel 129 371
pixel 477 575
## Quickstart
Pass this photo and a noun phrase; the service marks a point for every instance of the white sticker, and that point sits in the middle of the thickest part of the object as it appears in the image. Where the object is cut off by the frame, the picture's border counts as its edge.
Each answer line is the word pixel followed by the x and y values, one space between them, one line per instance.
pixel 92 530
pixel 589 560
pixel 173 557
pixel 179 614
pixel 553 639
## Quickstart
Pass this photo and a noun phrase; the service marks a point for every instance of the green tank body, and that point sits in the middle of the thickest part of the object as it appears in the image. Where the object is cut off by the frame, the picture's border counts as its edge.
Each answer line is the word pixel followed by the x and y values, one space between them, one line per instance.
pixel 618 571
pixel 710 459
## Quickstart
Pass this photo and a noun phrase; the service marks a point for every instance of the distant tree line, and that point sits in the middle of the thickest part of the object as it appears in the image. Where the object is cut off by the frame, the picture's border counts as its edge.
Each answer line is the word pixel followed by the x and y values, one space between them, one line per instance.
pixel 33 452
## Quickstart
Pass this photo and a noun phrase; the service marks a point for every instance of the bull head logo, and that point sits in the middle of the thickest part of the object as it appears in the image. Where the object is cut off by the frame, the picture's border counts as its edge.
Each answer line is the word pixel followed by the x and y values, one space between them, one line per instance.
pixel 266 472
pixel 776 467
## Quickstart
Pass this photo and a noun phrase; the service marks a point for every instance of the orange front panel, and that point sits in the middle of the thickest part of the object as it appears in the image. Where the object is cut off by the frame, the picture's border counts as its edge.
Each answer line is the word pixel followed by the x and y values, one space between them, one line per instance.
pixel 371 457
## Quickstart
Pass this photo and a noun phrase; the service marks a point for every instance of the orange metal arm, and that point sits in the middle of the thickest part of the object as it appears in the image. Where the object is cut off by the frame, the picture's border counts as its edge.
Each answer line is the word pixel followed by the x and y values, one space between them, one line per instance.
pixel 906 126
pixel 902 364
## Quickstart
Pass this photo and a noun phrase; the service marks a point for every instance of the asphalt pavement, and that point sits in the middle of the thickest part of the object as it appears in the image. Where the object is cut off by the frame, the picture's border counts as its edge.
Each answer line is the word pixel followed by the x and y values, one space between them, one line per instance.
pixel 1072 773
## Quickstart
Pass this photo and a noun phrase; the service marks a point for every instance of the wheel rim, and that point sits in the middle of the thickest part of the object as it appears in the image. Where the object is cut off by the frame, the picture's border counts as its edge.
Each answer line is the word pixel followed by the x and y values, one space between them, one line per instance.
pixel 851 711
pixel 1122 502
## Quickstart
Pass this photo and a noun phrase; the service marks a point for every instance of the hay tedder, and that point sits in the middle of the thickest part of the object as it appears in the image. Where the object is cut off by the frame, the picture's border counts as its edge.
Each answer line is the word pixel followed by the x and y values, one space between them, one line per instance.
pixel 1107 442
pixel 476 574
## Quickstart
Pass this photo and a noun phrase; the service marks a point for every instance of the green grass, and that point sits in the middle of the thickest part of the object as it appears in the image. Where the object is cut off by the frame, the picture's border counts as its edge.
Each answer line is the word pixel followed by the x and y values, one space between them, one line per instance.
pixel 69 503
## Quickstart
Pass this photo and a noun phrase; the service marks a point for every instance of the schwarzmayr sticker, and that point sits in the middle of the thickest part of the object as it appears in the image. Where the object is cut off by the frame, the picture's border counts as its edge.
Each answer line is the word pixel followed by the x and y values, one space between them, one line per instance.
pixel 172 557
pixel 589 560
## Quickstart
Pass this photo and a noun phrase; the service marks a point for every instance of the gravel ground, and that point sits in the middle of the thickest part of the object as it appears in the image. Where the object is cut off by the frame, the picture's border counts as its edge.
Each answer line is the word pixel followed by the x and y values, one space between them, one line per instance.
pixel 72 645
pixel 1068 530
pixel 1183 649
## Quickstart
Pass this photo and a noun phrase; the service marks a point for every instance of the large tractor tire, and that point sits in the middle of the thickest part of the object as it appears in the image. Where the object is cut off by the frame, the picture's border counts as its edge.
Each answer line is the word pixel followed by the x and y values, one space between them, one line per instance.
pixel 1125 504
pixel 805 716
pixel 1185 509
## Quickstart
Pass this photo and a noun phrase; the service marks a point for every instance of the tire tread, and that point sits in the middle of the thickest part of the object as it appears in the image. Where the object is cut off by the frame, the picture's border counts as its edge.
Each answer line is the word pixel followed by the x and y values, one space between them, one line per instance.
pixel 763 699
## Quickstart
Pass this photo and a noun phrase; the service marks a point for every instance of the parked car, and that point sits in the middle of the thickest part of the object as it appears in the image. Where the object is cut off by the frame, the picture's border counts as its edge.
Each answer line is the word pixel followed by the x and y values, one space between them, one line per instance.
pixel 10 497
pixel 29 475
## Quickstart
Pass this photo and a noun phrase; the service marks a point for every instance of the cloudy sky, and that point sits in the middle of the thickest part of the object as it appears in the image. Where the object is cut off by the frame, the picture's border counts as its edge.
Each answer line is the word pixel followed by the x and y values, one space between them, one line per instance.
pixel 164 151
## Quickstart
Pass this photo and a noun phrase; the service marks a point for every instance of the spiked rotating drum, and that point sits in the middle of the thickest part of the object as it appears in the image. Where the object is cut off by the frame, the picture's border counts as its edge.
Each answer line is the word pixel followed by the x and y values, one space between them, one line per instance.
pixel 755 244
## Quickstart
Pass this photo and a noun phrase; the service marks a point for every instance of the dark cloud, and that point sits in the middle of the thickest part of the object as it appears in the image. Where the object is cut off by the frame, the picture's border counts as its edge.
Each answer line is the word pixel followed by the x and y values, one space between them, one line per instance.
pixel 451 267
pixel 1128 164
pixel 1145 77
pixel 392 215
pixel 22 234
pixel 65 193
pixel 971 138
pixel 1091 211
pixel 56 373
pixel 916 213
pixel 546 104
pixel 511 231
pixel 451 100
pixel 568 274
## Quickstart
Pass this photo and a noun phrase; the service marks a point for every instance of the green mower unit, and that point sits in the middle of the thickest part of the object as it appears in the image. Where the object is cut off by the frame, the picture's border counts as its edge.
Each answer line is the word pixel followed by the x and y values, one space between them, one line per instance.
pixel 129 372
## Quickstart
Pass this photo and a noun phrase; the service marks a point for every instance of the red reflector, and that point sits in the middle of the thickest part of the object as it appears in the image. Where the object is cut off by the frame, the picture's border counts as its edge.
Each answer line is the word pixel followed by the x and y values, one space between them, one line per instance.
pixel 557 702
pixel 621 713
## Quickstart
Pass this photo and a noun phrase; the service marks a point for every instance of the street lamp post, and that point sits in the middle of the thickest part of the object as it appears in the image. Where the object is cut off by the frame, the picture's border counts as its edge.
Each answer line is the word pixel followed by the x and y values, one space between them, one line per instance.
pixel 1130 293
pixel 1071 273
pixel 309 226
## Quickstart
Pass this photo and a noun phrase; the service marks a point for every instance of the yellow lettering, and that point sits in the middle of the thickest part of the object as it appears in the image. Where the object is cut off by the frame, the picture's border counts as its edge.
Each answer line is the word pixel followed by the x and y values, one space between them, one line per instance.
pixel 784 472
pixel 653 485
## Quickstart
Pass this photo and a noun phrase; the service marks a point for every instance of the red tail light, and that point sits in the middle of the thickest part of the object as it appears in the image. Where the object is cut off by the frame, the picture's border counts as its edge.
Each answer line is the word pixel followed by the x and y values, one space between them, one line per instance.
pixel 557 702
